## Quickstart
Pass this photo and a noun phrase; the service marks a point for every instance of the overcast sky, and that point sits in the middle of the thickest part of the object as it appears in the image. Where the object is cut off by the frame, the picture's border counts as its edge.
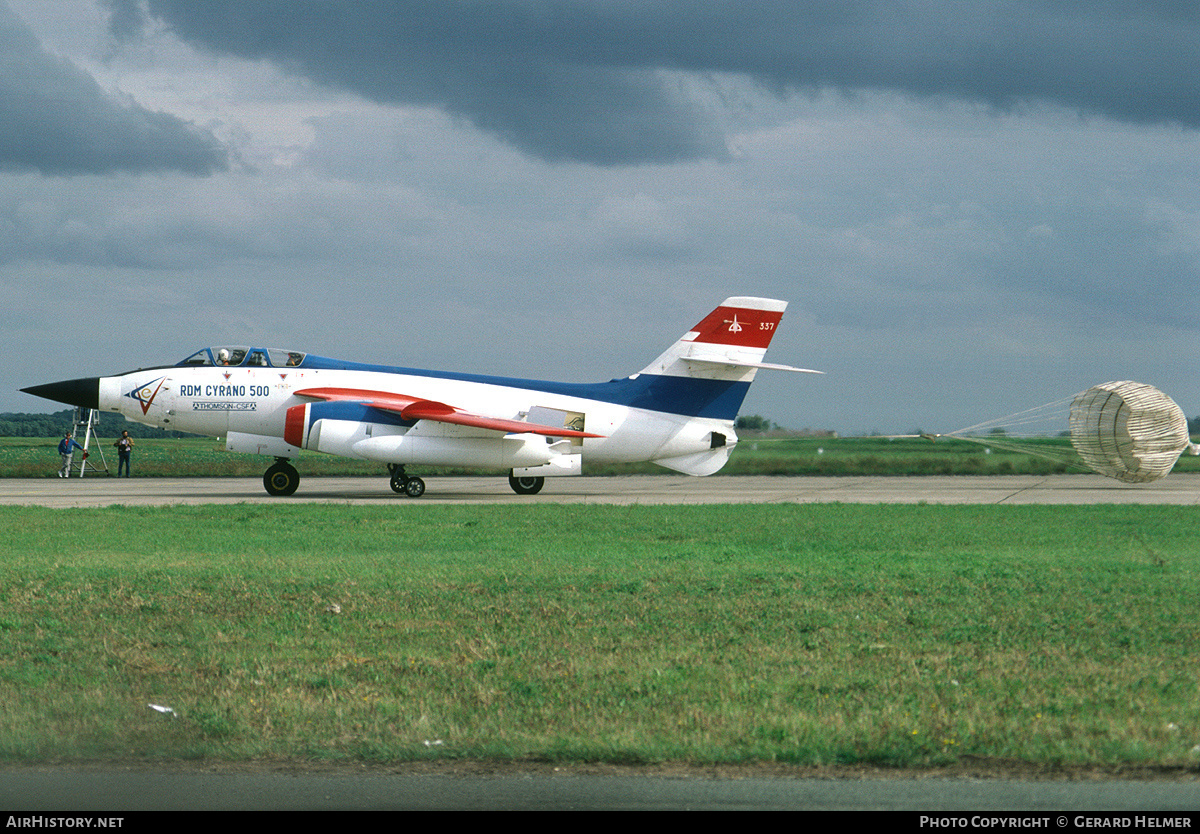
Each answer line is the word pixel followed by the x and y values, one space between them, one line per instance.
pixel 972 208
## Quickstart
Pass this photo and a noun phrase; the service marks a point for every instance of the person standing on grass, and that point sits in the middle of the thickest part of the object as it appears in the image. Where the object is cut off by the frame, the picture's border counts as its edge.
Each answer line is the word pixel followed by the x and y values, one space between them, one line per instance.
pixel 66 448
pixel 124 446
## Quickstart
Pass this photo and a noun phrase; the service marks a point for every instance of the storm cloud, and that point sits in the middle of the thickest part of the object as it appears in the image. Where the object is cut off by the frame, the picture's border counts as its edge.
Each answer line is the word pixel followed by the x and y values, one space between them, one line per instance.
pixel 598 81
pixel 971 207
pixel 55 119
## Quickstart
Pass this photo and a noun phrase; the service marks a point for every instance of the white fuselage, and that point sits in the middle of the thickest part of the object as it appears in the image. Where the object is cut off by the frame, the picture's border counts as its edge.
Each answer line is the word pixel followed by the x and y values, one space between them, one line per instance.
pixel 258 409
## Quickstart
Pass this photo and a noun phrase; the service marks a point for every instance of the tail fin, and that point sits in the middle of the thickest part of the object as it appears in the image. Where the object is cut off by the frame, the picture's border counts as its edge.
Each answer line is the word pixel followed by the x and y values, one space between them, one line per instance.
pixel 709 370
pixel 729 344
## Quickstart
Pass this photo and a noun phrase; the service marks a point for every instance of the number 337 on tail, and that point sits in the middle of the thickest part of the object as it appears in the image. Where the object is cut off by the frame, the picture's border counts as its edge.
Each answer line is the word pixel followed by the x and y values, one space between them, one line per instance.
pixel 678 411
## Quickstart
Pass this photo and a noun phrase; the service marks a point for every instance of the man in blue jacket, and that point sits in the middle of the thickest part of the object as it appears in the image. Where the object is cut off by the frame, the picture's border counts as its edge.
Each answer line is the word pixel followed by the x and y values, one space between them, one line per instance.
pixel 67 449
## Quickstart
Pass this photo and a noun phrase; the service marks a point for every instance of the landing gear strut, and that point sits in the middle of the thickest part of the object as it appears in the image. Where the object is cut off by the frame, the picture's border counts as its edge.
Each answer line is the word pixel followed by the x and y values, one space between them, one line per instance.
pixel 525 485
pixel 281 478
pixel 403 484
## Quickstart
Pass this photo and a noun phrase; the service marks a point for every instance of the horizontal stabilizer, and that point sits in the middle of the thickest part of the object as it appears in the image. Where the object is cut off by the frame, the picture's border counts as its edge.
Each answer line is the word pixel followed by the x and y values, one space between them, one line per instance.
pixel 738 363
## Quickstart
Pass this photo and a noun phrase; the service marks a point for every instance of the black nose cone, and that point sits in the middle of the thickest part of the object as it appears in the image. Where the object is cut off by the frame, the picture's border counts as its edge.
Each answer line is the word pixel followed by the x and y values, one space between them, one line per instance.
pixel 84 393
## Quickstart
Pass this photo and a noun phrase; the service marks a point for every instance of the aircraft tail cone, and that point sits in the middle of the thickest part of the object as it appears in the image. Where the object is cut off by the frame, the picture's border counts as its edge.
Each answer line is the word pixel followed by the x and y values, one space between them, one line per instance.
pixel 84 393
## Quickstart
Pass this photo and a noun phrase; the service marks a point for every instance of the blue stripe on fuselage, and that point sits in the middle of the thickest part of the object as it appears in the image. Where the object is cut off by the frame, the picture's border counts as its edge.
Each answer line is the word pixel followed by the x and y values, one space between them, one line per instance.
pixel 355 412
pixel 687 396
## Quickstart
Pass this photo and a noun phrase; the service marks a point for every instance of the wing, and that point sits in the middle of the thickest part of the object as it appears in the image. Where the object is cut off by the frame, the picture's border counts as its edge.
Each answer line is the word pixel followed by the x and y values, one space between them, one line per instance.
pixel 416 408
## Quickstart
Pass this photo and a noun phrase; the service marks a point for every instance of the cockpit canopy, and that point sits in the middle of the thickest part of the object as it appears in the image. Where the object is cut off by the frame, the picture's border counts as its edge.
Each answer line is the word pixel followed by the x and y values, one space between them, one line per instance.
pixel 249 356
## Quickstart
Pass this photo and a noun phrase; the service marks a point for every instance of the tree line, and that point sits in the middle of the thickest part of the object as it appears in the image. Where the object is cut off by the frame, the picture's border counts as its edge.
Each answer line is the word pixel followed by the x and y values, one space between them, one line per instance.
pixel 59 423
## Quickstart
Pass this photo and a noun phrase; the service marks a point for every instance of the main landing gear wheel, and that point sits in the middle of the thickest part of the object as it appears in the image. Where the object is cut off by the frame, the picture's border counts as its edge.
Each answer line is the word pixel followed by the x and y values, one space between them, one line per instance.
pixel 281 479
pixel 404 485
pixel 525 485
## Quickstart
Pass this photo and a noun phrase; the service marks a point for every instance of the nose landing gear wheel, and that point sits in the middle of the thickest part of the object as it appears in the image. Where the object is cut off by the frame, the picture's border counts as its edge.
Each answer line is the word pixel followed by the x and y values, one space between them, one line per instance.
pixel 281 479
pixel 525 485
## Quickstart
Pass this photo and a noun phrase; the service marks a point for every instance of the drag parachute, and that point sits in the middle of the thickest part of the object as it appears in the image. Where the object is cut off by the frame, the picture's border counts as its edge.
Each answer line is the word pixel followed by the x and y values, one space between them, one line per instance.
pixel 1128 430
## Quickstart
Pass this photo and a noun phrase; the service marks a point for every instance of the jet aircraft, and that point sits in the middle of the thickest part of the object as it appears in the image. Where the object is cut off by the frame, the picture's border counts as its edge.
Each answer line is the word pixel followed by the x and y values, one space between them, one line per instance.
pixel 678 411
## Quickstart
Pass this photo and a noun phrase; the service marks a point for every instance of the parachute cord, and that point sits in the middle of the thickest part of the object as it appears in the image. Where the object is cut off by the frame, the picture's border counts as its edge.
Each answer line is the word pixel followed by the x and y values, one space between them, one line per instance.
pixel 1051 419
pixel 1065 458
pixel 1029 416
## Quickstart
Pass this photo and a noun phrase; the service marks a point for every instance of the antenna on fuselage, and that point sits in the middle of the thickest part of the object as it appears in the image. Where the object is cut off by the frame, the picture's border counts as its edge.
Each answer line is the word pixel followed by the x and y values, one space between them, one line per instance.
pixel 85 420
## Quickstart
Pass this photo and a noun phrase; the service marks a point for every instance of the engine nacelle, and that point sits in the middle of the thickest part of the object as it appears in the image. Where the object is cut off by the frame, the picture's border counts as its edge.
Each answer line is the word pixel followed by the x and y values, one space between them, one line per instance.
pixel 395 444
pixel 510 451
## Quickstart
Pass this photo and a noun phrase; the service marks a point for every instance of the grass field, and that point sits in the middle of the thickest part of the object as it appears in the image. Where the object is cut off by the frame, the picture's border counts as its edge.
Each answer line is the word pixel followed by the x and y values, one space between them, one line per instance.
pixel 907 636
pixel 34 458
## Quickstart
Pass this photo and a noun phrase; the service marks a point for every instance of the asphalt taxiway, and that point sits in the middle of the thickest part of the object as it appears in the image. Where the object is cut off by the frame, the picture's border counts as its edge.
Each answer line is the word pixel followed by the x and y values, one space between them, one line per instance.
pixel 1061 803
pixel 100 491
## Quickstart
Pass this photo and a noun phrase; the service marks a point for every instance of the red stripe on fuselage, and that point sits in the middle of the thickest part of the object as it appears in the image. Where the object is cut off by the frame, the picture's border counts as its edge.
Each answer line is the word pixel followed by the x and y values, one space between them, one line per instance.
pixel 738 326
pixel 412 408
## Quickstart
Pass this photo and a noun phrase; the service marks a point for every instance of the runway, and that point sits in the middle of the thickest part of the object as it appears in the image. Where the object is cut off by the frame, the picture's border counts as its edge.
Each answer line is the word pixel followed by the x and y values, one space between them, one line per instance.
pixel 101 491
pixel 112 791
